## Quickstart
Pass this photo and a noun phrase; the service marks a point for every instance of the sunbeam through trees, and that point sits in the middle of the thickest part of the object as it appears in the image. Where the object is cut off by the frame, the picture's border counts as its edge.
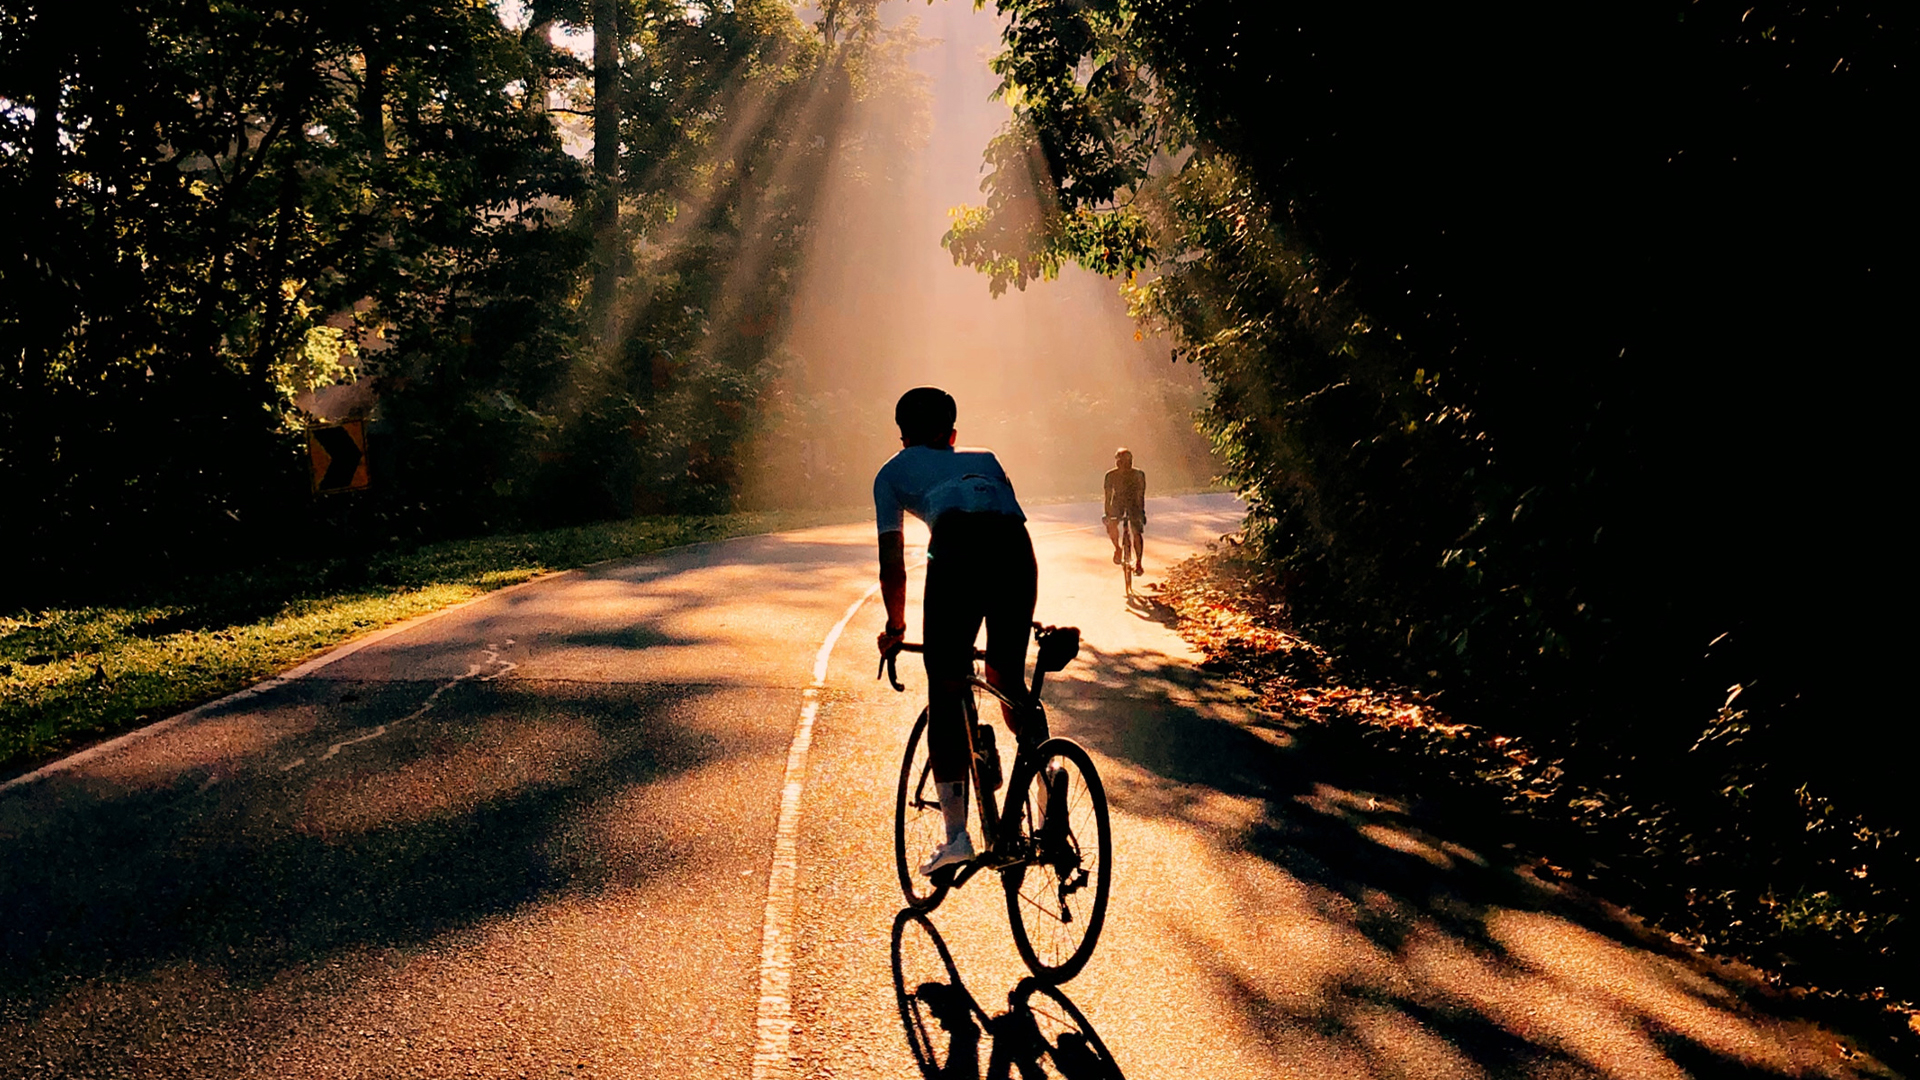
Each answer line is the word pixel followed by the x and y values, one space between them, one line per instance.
pixel 227 222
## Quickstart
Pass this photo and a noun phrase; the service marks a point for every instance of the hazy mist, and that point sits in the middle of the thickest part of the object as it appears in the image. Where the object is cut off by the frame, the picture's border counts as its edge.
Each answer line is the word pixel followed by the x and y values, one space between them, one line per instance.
pixel 1052 379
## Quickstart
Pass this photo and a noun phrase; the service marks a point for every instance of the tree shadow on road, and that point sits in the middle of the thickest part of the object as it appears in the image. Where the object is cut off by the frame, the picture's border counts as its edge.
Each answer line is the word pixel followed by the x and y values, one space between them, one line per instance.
pixel 396 826
pixel 503 797
pixel 1376 926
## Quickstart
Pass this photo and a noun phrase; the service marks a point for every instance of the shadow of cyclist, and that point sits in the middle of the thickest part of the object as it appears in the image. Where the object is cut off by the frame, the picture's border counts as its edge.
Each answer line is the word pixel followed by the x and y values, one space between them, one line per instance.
pixel 1042 1033
pixel 1151 608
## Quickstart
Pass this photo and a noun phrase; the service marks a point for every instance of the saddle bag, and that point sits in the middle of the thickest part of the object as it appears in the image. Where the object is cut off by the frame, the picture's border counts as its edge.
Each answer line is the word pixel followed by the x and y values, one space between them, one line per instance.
pixel 1058 646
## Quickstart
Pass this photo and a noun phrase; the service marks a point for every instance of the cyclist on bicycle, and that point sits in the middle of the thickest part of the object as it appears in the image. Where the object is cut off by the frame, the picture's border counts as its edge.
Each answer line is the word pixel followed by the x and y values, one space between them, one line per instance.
pixel 1126 497
pixel 980 566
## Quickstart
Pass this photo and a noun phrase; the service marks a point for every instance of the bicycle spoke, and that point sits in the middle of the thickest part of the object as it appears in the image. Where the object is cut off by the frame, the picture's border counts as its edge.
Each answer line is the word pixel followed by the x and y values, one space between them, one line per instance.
pixel 1057 897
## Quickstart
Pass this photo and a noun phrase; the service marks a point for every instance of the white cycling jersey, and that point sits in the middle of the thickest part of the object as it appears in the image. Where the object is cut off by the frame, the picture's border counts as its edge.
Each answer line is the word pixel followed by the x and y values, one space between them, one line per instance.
pixel 928 481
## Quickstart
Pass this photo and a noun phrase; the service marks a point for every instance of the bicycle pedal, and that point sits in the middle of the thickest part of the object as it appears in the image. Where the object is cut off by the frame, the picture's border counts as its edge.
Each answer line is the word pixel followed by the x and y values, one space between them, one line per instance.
pixel 1001 858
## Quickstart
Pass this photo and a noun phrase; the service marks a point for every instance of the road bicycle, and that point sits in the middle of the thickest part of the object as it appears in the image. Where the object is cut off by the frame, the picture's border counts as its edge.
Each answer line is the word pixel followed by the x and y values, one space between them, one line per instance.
pixel 1051 842
pixel 1126 554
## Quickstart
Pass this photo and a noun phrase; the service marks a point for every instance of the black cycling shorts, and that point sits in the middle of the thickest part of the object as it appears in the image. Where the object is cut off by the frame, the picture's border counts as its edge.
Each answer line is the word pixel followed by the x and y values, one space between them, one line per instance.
pixel 985 571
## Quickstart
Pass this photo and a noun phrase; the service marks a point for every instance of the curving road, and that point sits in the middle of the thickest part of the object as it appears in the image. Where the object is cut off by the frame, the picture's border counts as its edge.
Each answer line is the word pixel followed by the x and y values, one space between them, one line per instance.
pixel 634 821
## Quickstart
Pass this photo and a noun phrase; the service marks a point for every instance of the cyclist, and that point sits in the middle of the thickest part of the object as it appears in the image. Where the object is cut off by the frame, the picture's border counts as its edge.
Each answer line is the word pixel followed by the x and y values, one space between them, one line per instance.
pixel 980 566
pixel 1126 497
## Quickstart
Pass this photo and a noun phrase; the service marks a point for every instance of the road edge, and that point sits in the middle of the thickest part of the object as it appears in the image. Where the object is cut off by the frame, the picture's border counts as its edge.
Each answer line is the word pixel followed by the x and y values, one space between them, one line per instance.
pixel 337 653
pixel 273 682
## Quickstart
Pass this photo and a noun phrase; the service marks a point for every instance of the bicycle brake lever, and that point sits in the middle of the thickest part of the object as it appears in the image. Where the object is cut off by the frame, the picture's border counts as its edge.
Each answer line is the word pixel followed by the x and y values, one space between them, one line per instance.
pixel 888 668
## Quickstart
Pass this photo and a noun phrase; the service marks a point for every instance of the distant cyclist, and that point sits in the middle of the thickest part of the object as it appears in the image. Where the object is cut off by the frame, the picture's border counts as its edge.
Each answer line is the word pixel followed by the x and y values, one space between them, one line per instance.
pixel 1126 497
pixel 980 566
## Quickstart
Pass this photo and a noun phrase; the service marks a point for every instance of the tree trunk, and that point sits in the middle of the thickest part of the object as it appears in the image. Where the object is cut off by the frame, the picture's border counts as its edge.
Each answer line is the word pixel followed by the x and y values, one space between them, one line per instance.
pixel 540 48
pixel 373 104
pixel 32 446
pixel 278 314
pixel 44 217
pixel 606 160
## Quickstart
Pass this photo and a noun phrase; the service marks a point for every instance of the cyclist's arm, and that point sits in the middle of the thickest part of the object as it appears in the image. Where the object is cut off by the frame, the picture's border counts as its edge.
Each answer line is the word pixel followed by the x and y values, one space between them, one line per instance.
pixel 893 578
pixel 891 517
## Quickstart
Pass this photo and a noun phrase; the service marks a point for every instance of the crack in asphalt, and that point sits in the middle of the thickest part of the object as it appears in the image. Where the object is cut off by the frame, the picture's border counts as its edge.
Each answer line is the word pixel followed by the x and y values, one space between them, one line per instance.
pixel 473 672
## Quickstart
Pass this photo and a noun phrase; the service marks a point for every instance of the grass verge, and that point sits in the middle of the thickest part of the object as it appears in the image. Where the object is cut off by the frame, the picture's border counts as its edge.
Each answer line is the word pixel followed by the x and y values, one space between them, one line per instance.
pixel 72 675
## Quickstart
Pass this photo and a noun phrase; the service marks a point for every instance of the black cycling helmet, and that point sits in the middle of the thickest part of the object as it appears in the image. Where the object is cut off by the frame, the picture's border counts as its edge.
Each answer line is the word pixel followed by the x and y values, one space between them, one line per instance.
pixel 925 415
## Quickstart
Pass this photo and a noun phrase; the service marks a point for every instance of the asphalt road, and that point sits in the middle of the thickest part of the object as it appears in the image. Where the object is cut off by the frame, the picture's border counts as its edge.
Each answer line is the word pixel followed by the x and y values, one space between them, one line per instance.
pixel 635 821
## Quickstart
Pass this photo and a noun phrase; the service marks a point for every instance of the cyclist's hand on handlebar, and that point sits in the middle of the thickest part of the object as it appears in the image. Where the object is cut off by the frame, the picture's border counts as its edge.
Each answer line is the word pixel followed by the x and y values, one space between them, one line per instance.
pixel 890 641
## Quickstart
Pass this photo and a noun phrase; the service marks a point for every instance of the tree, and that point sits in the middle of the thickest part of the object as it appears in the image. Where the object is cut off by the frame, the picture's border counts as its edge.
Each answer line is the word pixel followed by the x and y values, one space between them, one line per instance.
pixel 606 153
pixel 225 182
pixel 225 207
pixel 1519 321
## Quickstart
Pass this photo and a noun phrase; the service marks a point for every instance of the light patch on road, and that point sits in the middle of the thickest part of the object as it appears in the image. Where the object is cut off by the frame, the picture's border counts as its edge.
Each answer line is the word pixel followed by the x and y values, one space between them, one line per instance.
pixel 1062 532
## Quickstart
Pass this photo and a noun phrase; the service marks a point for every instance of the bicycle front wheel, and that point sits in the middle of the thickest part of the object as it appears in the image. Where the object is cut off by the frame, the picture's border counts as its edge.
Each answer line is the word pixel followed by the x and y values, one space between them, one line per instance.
pixel 918 827
pixel 1057 892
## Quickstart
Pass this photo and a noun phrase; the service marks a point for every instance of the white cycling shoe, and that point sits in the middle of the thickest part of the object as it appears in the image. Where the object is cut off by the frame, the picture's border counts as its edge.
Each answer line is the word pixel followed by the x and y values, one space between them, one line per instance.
pixel 952 853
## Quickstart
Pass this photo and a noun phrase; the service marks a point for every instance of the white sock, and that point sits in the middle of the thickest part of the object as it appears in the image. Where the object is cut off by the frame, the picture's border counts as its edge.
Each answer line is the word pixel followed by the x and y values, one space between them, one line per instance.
pixel 953 808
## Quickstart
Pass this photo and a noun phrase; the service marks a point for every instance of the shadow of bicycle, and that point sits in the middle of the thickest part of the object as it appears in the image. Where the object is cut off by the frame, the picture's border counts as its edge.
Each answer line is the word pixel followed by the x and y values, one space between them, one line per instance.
pixel 1041 1033
pixel 1151 608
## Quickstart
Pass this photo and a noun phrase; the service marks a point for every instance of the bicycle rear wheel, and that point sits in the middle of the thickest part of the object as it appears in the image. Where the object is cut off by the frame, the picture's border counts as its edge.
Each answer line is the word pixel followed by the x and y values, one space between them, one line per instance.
pixel 1057 893
pixel 918 827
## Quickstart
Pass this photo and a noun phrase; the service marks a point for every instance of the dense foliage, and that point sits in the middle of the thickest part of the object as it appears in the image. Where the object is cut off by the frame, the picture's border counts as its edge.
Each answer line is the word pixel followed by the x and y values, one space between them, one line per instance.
pixel 211 207
pixel 1554 349
pixel 225 220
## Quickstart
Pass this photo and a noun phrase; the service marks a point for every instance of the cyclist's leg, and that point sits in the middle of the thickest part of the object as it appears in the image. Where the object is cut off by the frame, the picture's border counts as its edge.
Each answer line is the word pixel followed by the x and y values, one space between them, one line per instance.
pixel 1009 616
pixel 952 614
pixel 1139 542
pixel 1113 534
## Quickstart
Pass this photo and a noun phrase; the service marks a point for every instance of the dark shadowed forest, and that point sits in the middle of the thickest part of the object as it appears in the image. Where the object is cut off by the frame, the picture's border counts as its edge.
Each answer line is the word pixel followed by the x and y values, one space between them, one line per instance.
pixel 226 222
pixel 1560 354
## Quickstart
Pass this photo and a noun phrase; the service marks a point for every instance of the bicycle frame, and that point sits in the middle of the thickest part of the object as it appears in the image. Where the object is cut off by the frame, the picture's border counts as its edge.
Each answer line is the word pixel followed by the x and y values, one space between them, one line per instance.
pixel 990 805
pixel 1048 837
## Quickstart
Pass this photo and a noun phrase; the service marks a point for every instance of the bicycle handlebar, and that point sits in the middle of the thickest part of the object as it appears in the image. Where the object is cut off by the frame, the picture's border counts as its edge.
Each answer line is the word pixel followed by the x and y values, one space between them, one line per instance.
pixel 887 667
pixel 1066 637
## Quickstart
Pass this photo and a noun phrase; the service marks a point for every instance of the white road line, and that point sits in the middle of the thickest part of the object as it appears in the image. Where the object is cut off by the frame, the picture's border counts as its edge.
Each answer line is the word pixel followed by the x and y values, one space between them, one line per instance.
pixel 773 1023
